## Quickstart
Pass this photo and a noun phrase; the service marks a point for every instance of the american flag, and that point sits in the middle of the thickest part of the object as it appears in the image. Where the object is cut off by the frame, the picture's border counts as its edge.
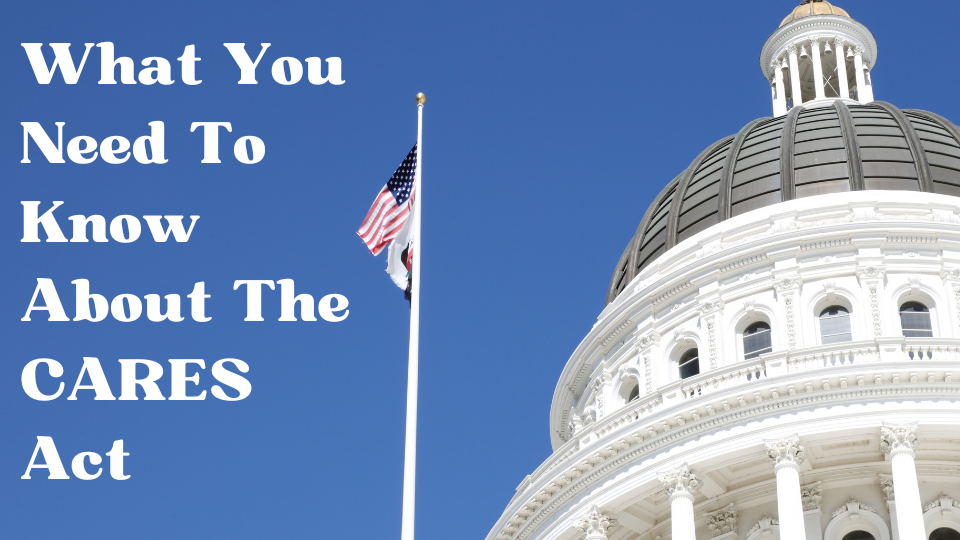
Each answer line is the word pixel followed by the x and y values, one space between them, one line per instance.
pixel 391 207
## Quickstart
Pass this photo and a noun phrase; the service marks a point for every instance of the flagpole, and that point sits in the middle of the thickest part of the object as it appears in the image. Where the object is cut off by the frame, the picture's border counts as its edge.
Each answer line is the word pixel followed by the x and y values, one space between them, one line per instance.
pixel 410 448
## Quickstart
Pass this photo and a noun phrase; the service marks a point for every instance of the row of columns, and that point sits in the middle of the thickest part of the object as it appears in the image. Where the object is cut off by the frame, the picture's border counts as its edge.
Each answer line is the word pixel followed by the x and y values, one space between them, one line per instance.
pixel 899 442
pixel 791 61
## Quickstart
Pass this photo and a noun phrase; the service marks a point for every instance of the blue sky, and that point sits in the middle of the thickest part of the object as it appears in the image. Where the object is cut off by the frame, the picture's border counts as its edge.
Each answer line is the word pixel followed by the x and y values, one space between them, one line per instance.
pixel 549 127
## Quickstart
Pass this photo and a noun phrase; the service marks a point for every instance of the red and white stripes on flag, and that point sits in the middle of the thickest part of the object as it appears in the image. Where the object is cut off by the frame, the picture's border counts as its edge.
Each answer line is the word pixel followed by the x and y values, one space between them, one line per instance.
pixel 391 207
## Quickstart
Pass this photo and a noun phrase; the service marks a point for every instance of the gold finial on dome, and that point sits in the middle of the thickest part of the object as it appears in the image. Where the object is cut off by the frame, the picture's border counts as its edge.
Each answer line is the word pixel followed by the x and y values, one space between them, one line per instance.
pixel 809 8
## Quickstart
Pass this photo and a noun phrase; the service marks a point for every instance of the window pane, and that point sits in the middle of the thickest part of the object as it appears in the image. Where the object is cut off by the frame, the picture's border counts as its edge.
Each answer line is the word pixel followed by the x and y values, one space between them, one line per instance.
pixel 858 535
pixel 756 340
pixel 915 320
pixel 835 325
pixel 945 533
pixel 634 394
pixel 689 364
pixel 836 338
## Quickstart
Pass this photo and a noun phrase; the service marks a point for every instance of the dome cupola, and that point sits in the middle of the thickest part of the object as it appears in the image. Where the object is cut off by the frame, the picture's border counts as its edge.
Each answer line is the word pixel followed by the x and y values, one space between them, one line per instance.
pixel 809 8
pixel 818 53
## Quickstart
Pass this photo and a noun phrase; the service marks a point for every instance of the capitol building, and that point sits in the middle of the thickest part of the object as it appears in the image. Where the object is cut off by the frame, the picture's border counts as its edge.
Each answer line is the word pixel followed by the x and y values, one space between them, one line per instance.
pixel 779 355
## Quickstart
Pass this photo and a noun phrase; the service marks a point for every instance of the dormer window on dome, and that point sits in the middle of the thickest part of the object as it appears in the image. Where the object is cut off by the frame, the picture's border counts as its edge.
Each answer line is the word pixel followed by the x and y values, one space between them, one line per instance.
pixel 819 53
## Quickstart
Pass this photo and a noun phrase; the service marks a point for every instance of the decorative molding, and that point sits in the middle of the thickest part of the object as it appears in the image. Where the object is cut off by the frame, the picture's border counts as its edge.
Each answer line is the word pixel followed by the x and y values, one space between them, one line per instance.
pixel 647 371
pixel 787 283
pixel 712 341
pixel 949 273
pixel 616 331
pixel 723 521
pixel 825 244
pixel 854 507
pixel 876 318
pixel 909 239
pixel 765 525
pixel 943 501
pixel 811 496
pixel 873 272
pixel 786 451
pixel 671 292
pixel 649 339
pixel 681 481
pixel 743 262
pixel 595 525
pixel 886 486
pixel 791 321
pixel 896 438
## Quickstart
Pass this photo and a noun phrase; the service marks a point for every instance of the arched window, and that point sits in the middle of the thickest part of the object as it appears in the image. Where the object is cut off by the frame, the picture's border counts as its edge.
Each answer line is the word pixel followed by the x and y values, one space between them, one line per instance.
pixel 756 340
pixel 835 325
pixel 858 535
pixel 945 533
pixel 634 393
pixel 689 364
pixel 915 320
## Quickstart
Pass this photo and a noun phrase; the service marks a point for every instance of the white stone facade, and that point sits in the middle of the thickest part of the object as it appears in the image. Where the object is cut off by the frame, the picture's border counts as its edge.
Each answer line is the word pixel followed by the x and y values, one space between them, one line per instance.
pixel 808 441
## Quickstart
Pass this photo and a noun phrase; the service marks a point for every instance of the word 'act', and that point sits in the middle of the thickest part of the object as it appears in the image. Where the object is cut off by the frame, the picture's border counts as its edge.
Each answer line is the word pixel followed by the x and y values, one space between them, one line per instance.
pixel 55 470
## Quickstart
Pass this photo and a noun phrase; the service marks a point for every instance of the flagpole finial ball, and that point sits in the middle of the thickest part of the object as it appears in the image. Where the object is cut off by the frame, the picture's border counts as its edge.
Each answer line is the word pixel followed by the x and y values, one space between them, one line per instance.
pixel 421 98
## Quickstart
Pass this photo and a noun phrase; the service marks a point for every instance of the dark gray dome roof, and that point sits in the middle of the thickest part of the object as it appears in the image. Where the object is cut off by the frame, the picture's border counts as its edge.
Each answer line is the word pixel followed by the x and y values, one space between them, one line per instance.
pixel 831 149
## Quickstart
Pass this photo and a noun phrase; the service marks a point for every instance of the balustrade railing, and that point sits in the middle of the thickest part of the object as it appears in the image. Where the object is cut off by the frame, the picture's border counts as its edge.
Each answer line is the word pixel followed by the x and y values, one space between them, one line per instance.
pixel 920 349
pixel 727 376
pixel 833 355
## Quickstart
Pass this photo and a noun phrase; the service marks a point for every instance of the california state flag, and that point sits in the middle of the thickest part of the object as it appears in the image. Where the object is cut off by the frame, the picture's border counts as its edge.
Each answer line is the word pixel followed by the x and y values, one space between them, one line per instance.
pixel 400 257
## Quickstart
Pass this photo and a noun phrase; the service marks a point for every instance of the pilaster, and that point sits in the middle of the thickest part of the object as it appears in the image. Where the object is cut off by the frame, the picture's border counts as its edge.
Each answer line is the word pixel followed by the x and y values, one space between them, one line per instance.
pixel 811 496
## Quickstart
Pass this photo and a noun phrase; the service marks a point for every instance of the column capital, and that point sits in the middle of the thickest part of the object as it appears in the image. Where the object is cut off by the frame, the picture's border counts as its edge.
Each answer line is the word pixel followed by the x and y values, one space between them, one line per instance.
pixel 791 49
pixel 811 496
pixel 786 452
pixel 857 50
pixel 814 41
pixel 898 438
pixel 838 43
pixel 723 521
pixel 595 525
pixel 886 486
pixel 681 482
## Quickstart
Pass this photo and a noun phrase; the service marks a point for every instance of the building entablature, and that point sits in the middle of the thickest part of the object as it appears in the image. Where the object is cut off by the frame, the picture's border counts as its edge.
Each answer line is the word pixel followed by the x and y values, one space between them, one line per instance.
pixel 855 258
pixel 841 412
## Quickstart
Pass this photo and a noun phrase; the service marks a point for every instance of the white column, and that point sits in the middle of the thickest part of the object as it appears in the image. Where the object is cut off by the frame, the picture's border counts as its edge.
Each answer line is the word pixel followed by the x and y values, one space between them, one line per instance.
pixel 681 484
pixel 795 75
pixel 869 80
pixel 858 71
pixel 595 525
pixel 817 67
pixel 841 67
pixel 787 455
pixel 899 441
pixel 780 99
